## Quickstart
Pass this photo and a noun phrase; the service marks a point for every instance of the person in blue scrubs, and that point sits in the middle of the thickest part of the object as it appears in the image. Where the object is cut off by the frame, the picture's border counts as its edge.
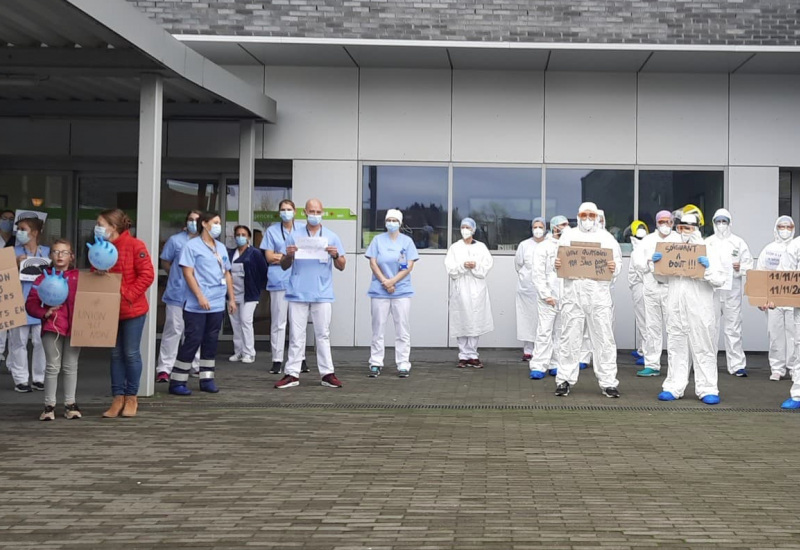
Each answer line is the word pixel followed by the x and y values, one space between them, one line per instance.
pixel 274 246
pixel 173 298
pixel 311 255
pixel 391 258
pixel 207 271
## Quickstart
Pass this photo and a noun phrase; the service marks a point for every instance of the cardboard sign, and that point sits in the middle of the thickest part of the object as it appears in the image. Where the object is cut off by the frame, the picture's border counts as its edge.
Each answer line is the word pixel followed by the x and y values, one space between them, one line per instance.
pixel 779 287
pixel 96 316
pixel 12 301
pixel 585 244
pixel 680 260
pixel 583 262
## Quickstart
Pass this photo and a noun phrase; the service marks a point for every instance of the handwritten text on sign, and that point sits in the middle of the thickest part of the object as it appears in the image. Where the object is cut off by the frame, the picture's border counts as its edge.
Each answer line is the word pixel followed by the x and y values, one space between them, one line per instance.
pixel 680 260
pixel 12 301
pixel 96 316
pixel 585 263
pixel 782 288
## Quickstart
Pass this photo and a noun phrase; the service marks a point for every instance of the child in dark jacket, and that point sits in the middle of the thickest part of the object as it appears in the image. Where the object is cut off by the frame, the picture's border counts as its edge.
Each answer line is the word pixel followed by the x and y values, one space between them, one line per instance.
pixel 60 355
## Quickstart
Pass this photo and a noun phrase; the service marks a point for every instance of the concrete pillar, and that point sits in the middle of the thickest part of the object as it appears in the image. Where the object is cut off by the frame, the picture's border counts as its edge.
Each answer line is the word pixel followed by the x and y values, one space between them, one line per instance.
pixel 247 171
pixel 148 206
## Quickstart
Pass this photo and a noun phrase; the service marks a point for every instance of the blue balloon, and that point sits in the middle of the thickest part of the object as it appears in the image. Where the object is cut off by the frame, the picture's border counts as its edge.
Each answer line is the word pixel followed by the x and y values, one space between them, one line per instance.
pixel 53 290
pixel 102 254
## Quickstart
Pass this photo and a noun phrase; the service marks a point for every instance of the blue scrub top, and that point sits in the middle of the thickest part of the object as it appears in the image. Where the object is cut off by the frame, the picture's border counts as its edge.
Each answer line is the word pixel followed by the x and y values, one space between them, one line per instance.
pixel 41 252
pixel 387 253
pixel 275 240
pixel 311 280
pixel 209 270
pixel 175 292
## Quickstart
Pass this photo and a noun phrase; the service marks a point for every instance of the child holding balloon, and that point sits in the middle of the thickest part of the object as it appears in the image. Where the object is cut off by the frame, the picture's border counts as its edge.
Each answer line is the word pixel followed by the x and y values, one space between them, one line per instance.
pixel 52 299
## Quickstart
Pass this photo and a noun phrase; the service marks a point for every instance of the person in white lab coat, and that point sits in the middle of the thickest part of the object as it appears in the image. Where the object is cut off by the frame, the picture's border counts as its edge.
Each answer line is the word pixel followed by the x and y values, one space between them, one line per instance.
pixel 736 258
pixel 586 301
pixel 790 261
pixel 468 262
pixel 780 321
pixel 548 287
pixel 655 291
pixel 526 289
pixel 690 323
pixel 636 285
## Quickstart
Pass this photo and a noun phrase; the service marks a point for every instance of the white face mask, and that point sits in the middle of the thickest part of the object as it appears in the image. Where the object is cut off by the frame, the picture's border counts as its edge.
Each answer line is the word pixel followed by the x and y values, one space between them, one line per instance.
pixel 686 237
pixel 538 232
pixel 587 224
pixel 784 234
pixel 664 230
pixel 466 233
pixel 722 229
pixel 641 233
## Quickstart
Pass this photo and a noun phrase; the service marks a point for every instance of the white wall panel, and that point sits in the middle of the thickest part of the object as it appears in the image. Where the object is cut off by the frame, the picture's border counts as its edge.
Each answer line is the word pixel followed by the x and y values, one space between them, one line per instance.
pixel 317 113
pixel 22 136
pixel 683 119
pixel 344 308
pixel 590 118
pixel 765 120
pixel 203 139
pixel 404 114
pixel 428 306
pixel 624 319
pixel 498 116
pixel 105 138
pixel 252 74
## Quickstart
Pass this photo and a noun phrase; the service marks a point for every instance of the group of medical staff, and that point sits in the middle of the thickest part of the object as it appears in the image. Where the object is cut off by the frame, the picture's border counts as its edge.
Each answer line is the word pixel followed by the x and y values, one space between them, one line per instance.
pixel 565 324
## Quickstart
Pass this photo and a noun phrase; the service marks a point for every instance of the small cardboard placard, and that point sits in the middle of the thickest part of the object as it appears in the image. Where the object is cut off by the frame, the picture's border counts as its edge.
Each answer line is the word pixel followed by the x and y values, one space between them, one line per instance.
pixel 585 262
pixel 779 287
pixel 96 315
pixel 12 301
pixel 680 260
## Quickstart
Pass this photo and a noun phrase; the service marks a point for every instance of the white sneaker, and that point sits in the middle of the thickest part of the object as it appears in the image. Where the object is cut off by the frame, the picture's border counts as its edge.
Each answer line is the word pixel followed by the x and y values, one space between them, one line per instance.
pixel 248 359
pixel 775 376
pixel 235 358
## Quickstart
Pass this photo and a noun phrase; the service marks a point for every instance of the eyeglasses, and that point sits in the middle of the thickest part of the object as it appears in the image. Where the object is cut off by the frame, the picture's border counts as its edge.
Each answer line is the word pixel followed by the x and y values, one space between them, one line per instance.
pixel 59 253
pixel 587 216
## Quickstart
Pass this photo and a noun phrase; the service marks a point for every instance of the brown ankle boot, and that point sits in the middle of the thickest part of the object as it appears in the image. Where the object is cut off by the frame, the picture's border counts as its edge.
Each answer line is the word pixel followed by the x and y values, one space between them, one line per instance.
pixel 131 406
pixel 115 408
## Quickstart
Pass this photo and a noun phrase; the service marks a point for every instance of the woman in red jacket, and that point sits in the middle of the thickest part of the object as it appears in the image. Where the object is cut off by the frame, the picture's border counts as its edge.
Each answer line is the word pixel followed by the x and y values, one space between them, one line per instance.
pixel 137 271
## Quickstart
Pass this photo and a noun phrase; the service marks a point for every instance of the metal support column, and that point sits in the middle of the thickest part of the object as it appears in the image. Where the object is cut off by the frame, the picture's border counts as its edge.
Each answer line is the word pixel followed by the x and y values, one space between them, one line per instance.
pixel 247 171
pixel 148 209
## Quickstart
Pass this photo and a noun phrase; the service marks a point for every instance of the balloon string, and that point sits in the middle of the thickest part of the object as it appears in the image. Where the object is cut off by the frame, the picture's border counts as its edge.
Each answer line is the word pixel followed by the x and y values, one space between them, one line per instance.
pixel 58 353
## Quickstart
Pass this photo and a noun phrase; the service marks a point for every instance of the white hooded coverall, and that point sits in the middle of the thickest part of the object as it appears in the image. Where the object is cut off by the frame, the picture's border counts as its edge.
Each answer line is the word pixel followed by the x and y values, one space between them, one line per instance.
pixel 728 299
pixel 636 285
pixel 526 294
pixel 790 261
pixel 589 302
pixel 469 305
pixel 780 321
pixel 548 285
pixel 691 328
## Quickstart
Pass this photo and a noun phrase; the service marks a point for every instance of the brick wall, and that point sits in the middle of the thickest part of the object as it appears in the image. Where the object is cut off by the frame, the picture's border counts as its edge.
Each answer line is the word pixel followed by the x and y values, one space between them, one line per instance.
pixel 769 22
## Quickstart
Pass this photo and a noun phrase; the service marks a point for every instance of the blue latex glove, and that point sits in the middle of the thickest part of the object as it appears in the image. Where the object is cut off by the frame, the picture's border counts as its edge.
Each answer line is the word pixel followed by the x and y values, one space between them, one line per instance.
pixel 703 261
pixel 657 256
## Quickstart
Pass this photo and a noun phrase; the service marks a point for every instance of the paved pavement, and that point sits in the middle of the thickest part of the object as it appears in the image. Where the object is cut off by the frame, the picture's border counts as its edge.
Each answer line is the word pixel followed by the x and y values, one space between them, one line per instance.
pixel 447 459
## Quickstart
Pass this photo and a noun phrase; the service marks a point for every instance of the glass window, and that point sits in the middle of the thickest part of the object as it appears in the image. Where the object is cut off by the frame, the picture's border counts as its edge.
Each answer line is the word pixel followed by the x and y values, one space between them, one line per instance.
pixel 419 192
pixel 502 201
pixel 785 193
pixel 673 189
pixel 37 192
pixel 611 190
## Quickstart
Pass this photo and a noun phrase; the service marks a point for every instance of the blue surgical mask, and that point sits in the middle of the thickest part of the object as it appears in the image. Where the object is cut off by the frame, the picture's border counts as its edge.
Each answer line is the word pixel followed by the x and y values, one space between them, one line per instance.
pixel 216 230
pixel 23 237
pixel 287 215
pixel 191 227
pixel 240 240
pixel 100 232
pixel 392 227
pixel 6 225
pixel 314 220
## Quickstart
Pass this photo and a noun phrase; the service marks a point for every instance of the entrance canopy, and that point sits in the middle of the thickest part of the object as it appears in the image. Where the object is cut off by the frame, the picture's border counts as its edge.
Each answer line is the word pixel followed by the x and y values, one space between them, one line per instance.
pixel 86 58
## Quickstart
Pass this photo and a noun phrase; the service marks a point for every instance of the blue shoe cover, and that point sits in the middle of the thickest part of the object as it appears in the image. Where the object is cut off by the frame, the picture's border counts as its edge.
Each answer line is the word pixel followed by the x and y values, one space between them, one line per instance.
pixel 710 399
pixel 666 396
pixel 640 361
pixel 179 389
pixel 791 404
pixel 537 375
pixel 209 386
pixel 583 366
pixel 741 373
pixel 552 372
pixel 636 354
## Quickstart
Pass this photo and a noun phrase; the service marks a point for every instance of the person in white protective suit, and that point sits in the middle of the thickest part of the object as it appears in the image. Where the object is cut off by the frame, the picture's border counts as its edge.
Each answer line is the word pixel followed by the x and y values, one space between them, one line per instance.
pixel 655 291
pixel 636 286
pixel 690 323
pixel 526 289
pixel 586 301
pixel 548 286
pixel 790 261
pixel 468 262
pixel 780 321
pixel 737 260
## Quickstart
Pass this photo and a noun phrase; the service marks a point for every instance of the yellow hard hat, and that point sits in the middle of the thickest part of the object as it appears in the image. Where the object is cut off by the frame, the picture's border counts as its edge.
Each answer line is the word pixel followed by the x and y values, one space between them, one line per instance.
pixel 636 225
pixel 692 209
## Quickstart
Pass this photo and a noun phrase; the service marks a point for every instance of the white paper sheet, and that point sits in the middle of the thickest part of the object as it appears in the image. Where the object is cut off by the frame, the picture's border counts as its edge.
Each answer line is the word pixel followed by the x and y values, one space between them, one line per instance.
pixel 312 248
